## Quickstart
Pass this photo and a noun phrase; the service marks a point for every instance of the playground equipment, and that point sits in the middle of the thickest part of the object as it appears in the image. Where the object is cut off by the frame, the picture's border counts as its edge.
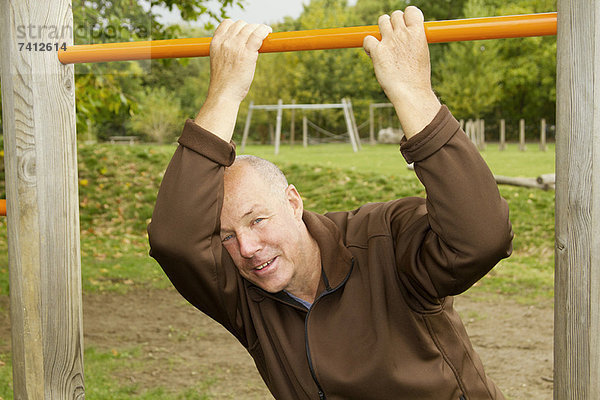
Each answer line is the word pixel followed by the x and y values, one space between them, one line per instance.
pixel 43 220
pixel 345 105
pixel 318 39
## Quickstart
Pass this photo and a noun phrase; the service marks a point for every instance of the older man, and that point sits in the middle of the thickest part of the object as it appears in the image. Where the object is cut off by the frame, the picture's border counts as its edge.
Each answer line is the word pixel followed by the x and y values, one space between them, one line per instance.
pixel 347 305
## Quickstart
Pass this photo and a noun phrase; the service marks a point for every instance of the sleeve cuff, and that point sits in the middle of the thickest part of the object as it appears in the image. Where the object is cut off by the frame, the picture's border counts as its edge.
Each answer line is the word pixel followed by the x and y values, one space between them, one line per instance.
pixel 431 138
pixel 198 139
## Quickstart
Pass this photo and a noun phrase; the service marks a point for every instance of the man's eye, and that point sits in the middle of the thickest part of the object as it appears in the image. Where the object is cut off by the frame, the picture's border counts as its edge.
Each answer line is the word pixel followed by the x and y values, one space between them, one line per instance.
pixel 226 238
pixel 257 220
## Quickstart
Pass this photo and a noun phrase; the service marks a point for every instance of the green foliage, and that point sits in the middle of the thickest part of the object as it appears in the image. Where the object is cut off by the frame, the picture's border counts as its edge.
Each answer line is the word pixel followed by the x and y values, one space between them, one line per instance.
pixel 6 388
pixel 469 74
pixel 317 76
pixel 509 78
pixel 107 93
pixel 159 116
pixel 470 86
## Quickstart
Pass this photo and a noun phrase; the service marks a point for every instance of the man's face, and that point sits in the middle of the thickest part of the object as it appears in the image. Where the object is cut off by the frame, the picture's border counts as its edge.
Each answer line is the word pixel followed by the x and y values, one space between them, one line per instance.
pixel 262 230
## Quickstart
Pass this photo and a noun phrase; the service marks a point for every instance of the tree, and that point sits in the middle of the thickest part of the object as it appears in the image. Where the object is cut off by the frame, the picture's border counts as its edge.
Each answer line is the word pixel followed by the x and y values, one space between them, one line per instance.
pixel 159 116
pixel 529 82
pixel 318 76
pixel 106 92
pixel 469 74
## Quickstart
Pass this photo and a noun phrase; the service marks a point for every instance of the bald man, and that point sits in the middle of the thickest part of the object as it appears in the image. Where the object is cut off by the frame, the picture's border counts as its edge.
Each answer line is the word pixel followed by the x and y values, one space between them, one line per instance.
pixel 351 304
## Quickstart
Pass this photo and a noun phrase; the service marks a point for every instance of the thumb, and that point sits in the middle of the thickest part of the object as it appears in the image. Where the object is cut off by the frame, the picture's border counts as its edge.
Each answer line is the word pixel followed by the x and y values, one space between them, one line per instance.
pixel 369 44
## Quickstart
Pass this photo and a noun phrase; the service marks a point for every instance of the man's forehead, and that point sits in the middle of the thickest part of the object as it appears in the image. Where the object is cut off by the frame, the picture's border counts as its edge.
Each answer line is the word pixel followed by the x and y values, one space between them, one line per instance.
pixel 230 217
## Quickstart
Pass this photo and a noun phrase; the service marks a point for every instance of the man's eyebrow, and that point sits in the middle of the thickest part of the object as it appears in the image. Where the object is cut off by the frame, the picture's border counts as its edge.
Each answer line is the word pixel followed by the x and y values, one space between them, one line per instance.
pixel 251 211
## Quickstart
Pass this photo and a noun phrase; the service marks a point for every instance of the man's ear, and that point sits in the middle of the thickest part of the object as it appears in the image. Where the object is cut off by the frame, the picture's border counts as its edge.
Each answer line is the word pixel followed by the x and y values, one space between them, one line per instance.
pixel 295 201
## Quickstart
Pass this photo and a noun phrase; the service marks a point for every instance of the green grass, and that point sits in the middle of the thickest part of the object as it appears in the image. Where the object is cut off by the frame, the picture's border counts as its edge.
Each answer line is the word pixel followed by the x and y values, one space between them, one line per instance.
pixel 118 186
pixel 387 160
pixel 100 369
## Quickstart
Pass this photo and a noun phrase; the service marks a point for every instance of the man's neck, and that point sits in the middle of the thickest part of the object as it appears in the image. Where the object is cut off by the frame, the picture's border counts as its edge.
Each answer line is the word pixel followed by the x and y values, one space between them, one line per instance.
pixel 312 273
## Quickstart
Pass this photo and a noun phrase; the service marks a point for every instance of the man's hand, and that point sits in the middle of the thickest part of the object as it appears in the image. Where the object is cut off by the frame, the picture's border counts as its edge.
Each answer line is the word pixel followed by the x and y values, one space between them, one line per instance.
pixel 402 67
pixel 233 56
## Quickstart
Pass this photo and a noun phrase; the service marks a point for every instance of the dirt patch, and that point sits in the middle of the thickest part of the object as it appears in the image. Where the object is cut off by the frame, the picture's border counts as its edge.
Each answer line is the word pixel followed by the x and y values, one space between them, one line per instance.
pixel 180 347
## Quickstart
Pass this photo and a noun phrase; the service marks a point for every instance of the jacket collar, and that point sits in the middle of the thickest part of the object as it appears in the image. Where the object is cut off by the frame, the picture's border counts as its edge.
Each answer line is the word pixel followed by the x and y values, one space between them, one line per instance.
pixel 336 259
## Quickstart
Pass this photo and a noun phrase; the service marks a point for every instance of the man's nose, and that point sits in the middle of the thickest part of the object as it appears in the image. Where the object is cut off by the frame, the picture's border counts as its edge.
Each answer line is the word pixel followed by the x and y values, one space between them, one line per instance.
pixel 249 243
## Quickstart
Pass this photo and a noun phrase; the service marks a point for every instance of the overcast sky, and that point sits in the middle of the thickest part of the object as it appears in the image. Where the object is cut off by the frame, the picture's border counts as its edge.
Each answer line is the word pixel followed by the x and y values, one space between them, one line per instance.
pixel 257 11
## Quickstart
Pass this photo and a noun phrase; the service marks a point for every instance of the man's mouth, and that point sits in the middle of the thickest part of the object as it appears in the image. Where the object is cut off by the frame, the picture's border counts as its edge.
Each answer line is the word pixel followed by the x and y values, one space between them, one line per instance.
pixel 264 265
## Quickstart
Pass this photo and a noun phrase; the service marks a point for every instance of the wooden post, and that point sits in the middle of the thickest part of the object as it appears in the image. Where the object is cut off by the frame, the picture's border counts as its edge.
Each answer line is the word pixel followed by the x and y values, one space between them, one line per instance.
pixel 471 131
pixel 304 131
pixel 38 105
pixel 481 131
pixel 247 127
pixel 502 145
pixel 577 252
pixel 292 127
pixel 278 126
pixel 543 146
pixel 522 146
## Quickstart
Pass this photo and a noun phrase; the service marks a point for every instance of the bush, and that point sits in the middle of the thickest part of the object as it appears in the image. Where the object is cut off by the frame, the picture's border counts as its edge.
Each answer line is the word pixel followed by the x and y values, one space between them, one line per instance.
pixel 159 117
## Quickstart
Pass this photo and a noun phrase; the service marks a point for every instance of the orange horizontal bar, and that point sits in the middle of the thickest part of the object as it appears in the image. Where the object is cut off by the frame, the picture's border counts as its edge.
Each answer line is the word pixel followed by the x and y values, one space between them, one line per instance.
pixel 319 39
pixel 2 207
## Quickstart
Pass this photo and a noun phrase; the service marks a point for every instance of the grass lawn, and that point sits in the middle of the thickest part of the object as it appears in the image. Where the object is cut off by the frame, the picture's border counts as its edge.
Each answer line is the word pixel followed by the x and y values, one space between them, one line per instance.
pixel 118 186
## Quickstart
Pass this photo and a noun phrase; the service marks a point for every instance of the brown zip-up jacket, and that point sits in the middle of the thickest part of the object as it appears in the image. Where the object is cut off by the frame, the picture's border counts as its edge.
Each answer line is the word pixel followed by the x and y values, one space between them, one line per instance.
pixel 383 325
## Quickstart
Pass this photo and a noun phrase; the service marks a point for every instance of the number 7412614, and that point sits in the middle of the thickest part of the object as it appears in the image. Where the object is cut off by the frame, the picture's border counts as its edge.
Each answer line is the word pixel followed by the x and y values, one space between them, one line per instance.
pixel 41 46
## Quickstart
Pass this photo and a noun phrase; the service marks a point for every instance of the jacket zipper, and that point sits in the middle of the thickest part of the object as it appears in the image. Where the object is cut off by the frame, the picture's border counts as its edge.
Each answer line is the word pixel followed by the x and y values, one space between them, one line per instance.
pixel 328 290
pixel 310 363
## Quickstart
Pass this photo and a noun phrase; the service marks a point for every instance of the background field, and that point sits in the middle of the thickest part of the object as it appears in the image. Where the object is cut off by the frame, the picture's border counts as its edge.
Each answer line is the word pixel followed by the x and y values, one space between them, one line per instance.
pixel 118 186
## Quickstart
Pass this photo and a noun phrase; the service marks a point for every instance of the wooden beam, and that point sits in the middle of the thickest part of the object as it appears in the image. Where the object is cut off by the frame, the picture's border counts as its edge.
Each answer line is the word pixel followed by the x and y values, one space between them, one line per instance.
pixel 577 252
pixel 522 146
pixel 543 146
pixel 502 145
pixel 38 105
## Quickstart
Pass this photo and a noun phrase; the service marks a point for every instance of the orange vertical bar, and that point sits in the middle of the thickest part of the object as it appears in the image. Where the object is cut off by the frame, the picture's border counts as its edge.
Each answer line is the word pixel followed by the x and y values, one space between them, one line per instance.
pixel 2 207
pixel 318 39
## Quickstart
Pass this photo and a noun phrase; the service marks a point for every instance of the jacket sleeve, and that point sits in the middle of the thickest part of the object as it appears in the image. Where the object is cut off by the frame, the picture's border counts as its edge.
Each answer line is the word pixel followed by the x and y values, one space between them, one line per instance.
pixel 463 229
pixel 184 233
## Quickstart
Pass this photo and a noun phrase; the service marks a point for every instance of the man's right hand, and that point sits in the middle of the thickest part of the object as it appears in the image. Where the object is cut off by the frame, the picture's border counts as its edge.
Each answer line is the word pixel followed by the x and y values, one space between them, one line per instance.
pixel 233 56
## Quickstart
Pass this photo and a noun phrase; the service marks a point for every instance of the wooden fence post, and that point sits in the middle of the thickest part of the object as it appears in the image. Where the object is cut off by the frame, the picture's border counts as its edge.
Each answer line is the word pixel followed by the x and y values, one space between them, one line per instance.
pixel 543 146
pixel 502 145
pixel 481 131
pixel 522 146
pixel 577 252
pixel 38 105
